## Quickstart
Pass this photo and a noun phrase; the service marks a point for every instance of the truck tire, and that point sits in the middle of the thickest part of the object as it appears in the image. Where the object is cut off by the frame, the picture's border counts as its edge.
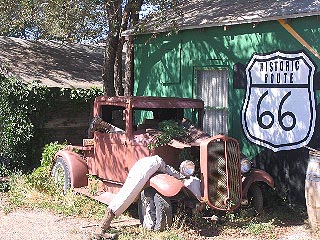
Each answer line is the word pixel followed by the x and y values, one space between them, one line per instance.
pixel 61 174
pixel 155 210
pixel 255 198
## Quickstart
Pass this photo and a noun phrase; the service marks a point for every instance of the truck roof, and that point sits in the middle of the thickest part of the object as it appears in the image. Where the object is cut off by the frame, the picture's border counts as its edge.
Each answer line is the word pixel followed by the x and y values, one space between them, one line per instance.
pixel 151 102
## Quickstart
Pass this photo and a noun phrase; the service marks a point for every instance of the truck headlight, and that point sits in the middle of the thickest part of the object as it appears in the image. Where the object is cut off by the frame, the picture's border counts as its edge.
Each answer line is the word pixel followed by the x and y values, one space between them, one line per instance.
pixel 187 168
pixel 245 165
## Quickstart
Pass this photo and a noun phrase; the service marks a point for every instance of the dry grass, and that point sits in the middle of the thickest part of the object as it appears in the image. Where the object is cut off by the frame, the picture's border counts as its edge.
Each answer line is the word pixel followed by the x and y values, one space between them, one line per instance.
pixel 279 219
pixel 23 194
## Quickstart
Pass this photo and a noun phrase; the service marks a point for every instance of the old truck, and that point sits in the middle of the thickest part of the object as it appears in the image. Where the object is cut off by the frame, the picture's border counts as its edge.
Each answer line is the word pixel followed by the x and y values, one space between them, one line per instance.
pixel 127 127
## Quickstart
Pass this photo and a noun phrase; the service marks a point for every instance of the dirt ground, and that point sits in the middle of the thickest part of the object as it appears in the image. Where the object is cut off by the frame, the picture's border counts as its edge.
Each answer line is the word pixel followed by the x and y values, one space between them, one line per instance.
pixel 44 225
pixel 40 225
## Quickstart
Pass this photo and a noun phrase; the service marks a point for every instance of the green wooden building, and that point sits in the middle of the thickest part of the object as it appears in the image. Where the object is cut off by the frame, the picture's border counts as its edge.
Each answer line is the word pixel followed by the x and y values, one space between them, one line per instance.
pixel 254 63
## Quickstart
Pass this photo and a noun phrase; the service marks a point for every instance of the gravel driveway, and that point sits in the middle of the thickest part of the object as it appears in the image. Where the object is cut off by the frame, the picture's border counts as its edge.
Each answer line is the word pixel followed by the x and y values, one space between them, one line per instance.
pixel 36 225
pixel 43 225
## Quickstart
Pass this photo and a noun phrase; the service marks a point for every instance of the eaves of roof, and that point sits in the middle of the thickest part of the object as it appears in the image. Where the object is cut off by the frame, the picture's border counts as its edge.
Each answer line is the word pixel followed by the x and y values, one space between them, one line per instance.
pixel 205 13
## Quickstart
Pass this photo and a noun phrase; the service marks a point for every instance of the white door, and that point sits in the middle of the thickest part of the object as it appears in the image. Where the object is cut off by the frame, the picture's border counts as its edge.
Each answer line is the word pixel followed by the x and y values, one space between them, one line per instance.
pixel 212 88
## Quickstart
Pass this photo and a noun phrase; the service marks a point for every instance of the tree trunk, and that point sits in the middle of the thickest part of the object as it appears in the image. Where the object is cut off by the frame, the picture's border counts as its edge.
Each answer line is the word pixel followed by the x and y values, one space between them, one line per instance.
pixel 113 81
pixel 114 20
pixel 129 62
pixel 118 69
pixel 129 71
pixel 108 66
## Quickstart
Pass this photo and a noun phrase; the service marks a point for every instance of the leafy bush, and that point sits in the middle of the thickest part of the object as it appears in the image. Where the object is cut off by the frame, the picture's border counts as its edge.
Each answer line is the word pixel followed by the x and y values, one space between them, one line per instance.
pixel 40 177
pixel 24 110
pixel 20 117
pixel 38 190
pixel 169 130
pixel 81 95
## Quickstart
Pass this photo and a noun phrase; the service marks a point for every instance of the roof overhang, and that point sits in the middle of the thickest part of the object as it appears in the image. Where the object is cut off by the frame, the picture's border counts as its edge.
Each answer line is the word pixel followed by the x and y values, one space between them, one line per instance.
pixel 204 13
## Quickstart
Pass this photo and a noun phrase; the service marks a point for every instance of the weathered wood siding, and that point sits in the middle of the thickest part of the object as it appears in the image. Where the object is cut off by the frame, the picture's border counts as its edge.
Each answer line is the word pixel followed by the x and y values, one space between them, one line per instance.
pixel 68 122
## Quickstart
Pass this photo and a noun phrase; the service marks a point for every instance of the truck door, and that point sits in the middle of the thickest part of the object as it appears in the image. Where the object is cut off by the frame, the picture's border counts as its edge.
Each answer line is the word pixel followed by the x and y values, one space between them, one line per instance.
pixel 112 151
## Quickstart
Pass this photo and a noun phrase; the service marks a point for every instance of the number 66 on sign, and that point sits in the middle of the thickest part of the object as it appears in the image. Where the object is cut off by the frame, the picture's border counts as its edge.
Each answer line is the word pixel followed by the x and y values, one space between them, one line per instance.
pixel 279 109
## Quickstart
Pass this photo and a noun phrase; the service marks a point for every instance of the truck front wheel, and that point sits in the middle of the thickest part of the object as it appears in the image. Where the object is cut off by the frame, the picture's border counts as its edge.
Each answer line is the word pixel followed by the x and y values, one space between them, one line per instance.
pixel 255 198
pixel 61 174
pixel 155 211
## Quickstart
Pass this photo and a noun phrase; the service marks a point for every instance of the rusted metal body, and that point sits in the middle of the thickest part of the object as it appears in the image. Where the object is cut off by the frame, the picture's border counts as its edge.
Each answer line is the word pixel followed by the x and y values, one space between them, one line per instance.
pixel 103 162
pixel 256 175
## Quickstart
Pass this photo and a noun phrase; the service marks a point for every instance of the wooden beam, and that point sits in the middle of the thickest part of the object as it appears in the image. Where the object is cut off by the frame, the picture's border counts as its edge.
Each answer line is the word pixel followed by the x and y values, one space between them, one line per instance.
pixel 298 37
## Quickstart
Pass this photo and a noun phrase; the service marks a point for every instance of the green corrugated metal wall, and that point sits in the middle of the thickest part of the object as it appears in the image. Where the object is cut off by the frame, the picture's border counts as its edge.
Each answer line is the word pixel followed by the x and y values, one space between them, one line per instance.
pixel 165 63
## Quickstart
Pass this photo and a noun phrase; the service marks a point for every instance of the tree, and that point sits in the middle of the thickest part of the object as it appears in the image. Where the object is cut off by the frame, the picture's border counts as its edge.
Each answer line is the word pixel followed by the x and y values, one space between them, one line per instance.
pixel 119 21
pixel 65 20
pixel 83 21
pixel 122 15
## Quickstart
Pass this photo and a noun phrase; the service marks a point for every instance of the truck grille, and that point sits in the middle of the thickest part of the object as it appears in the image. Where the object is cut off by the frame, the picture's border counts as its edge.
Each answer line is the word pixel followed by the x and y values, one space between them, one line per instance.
pixel 224 176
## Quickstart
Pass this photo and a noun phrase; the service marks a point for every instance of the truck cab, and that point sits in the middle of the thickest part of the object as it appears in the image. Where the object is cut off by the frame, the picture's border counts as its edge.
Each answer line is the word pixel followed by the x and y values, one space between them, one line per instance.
pixel 124 129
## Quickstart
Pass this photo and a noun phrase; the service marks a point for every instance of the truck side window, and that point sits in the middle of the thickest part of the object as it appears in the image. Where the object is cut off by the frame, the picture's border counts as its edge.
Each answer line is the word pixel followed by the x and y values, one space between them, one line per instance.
pixel 114 115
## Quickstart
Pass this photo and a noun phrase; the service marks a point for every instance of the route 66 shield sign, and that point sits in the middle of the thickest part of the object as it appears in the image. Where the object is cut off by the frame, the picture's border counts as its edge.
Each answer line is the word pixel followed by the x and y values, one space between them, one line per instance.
pixel 279 109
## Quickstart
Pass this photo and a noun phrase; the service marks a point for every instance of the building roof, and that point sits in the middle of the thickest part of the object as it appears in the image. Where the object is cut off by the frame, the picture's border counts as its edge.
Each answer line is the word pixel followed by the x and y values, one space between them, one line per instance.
pixel 53 64
pixel 209 13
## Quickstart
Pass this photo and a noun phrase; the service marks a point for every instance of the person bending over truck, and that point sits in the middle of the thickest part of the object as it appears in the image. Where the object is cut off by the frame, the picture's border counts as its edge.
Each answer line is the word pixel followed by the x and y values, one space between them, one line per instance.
pixel 138 176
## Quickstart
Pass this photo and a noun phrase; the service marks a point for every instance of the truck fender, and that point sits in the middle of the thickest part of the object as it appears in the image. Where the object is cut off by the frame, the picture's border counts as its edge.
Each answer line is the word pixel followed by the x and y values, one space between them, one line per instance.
pixel 77 166
pixel 256 175
pixel 165 184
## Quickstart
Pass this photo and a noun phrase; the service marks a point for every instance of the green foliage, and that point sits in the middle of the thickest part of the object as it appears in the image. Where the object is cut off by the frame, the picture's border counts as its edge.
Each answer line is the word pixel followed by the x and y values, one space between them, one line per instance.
pixel 80 96
pixel 4 170
pixel 21 115
pixel 169 130
pixel 37 190
pixel 48 153
pixel 24 110
pixel 17 190
pixel 177 232
pixel 40 178
pixel 258 228
pixel 69 20
pixel 4 186
pixel 85 95
pixel 93 184
pixel 23 193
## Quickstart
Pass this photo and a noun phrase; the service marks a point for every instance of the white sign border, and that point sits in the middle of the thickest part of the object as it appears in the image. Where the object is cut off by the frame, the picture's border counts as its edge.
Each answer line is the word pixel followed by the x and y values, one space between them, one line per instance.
pixel 283 54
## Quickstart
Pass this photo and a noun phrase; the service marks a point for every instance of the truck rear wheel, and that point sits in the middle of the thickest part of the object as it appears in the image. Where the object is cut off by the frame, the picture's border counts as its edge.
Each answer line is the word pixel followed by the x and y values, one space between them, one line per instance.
pixel 61 174
pixel 155 210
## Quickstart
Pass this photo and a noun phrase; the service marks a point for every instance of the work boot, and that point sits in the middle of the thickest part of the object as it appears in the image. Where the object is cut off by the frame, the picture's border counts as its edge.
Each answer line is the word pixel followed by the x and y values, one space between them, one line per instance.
pixel 104 225
pixel 106 221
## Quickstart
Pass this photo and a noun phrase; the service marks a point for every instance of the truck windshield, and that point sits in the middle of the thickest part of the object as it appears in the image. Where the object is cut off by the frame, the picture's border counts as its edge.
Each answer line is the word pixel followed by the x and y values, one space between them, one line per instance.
pixel 150 118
